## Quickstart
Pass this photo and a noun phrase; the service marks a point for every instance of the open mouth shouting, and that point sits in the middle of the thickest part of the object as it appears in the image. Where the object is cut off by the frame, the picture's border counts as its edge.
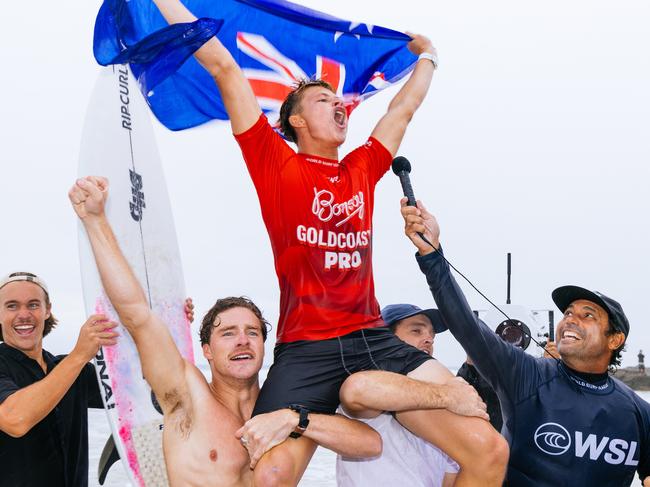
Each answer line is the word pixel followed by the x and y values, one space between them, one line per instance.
pixel 340 117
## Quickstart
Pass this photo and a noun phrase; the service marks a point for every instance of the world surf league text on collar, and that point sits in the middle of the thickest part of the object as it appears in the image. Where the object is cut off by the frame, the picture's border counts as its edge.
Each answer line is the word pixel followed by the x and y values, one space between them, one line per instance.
pixel 594 382
pixel 123 80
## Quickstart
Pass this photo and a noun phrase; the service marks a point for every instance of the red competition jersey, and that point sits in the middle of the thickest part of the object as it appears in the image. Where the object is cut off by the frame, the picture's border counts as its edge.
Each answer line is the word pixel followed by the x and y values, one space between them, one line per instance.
pixel 318 213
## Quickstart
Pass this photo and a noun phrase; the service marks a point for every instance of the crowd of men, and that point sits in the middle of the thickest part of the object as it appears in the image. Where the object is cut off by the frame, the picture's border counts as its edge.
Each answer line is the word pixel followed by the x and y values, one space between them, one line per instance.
pixel 346 375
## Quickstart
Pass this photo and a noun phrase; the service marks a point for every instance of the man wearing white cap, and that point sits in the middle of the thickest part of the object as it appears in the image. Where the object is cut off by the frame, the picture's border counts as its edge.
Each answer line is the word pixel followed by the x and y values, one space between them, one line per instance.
pixel 43 398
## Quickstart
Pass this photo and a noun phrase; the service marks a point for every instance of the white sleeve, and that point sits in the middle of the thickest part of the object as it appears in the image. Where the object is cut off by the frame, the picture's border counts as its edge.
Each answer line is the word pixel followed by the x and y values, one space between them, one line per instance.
pixel 451 466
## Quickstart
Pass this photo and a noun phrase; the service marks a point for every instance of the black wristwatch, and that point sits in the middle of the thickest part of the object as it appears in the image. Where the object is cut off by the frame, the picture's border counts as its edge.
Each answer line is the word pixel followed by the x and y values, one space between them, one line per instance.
pixel 303 421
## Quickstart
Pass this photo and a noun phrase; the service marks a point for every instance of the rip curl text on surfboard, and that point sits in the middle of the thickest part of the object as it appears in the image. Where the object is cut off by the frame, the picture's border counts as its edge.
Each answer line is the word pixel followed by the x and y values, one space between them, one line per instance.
pixel 123 80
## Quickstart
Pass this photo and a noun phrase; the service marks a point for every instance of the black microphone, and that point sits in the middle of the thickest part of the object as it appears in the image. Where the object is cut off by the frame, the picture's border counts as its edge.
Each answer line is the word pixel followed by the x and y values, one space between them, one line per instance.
pixel 402 167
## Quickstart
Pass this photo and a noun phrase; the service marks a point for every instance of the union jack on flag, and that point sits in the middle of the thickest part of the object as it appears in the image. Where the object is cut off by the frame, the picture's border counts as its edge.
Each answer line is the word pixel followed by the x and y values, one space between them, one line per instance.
pixel 275 42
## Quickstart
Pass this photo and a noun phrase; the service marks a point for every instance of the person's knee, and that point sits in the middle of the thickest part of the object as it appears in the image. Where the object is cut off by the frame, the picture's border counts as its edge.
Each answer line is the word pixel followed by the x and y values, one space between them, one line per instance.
pixel 499 451
pixel 274 470
pixel 490 455
pixel 352 392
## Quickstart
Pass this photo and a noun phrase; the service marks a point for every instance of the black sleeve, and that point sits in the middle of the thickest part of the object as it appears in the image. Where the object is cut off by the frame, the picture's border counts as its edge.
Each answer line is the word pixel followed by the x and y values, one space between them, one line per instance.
pixel 92 387
pixel 509 370
pixel 7 384
pixel 643 468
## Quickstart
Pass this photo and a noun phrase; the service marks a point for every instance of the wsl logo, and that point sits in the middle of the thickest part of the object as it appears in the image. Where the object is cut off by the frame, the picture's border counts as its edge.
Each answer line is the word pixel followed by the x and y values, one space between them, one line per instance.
pixel 552 438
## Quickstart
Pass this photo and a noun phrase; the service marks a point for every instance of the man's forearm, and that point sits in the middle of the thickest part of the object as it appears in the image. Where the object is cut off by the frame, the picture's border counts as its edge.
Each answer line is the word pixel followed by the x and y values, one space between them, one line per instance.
pixel 347 437
pixel 121 286
pixel 494 358
pixel 409 98
pixel 213 56
pixel 391 128
pixel 236 93
pixel 386 391
pixel 22 410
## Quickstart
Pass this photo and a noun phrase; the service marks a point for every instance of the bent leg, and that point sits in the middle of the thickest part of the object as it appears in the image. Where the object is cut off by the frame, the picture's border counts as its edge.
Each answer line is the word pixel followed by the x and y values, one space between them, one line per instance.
pixel 285 464
pixel 481 452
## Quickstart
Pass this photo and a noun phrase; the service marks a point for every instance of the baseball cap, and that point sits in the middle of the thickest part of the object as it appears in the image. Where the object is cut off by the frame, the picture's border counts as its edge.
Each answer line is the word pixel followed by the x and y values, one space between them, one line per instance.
pixel 396 312
pixel 565 295
pixel 24 276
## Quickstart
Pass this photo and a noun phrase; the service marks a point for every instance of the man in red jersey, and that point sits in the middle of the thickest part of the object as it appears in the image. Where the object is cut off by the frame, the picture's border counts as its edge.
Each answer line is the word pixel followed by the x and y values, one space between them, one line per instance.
pixel 318 212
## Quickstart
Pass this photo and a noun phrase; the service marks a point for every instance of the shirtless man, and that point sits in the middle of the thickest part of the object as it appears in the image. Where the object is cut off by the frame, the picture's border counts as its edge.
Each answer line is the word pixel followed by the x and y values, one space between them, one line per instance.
pixel 203 421
pixel 318 212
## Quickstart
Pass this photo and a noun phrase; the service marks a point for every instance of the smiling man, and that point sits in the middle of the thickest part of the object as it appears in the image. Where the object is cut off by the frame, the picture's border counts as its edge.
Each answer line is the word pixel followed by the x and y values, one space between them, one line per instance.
pixel 567 421
pixel 43 398
pixel 208 435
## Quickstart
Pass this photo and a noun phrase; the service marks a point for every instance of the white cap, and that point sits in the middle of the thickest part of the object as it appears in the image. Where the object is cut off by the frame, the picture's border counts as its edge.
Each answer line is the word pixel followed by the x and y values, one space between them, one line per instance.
pixel 24 276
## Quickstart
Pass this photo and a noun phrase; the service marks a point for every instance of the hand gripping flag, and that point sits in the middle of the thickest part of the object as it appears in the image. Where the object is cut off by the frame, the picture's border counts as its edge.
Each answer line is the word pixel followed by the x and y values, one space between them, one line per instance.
pixel 275 42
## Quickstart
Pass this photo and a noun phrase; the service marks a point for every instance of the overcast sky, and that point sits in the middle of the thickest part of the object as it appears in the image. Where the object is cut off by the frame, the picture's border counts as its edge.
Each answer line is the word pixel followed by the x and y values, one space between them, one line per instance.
pixel 534 139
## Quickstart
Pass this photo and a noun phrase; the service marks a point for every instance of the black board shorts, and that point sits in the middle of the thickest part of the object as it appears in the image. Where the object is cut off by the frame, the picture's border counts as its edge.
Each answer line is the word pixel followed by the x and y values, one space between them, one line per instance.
pixel 309 373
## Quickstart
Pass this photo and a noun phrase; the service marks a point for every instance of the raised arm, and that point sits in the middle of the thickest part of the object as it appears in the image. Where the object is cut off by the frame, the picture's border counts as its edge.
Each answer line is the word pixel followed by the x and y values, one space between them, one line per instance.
pixel 162 364
pixel 237 94
pixel 500 363
pixel 392 126
pixel 342 435
pixel 26 407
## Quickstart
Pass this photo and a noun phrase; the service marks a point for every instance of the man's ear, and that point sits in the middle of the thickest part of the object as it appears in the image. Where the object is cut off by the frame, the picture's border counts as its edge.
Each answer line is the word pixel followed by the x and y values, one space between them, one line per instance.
pixel 297 121
pixel 616 340
pixel 207 353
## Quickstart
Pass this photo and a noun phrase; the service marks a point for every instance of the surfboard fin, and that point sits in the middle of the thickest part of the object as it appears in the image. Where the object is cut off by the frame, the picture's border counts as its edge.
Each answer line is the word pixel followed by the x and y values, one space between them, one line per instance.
pixel 108 457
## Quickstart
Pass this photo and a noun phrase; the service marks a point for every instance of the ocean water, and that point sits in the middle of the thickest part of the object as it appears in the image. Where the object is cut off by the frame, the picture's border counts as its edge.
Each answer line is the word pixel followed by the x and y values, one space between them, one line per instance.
pixel 320 473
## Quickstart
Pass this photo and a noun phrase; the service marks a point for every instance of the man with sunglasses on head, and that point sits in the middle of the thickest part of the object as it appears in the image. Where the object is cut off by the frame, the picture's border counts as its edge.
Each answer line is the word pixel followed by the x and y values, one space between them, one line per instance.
pixel 567 421
pixel 43 398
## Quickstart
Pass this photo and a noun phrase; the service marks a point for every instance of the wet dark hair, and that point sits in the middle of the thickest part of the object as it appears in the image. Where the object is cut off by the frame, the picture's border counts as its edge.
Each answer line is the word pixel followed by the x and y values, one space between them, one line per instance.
pixel 210 321
pixel 50 322
pixel 291 104
pixel 617 355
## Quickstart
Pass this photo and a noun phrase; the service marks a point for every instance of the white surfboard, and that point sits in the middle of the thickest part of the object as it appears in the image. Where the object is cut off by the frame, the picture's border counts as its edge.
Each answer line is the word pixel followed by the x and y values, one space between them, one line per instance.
pixel 118 143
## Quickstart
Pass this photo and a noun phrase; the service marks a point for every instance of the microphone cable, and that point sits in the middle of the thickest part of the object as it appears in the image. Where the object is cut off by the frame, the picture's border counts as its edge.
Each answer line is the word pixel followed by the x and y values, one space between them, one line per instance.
pixel 543 347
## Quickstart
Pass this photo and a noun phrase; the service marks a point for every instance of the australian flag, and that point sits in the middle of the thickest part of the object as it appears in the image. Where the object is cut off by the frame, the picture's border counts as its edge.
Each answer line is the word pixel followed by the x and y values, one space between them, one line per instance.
pixel 275 42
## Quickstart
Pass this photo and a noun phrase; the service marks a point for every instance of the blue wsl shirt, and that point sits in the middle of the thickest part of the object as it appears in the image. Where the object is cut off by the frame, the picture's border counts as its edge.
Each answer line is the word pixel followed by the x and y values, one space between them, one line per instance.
pixel 562 430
